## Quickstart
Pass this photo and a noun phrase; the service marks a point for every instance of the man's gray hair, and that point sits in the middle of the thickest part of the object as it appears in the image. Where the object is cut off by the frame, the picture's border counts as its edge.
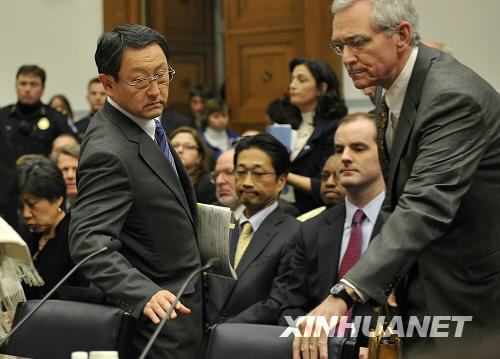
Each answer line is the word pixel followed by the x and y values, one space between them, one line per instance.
pixel 387 14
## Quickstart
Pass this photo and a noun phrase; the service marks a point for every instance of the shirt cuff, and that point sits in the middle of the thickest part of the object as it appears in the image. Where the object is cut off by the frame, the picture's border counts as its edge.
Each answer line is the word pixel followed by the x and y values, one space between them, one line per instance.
pixel 362 295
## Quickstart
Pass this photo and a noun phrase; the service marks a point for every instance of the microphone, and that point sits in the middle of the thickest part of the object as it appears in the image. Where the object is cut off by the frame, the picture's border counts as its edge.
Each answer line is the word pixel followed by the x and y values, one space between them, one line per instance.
pixel 212 262
pixel 112 246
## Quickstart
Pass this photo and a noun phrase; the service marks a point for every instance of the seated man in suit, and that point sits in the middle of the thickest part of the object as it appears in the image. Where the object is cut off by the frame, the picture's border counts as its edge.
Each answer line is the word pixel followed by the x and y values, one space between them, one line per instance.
pixel 329 244
pixel 261 242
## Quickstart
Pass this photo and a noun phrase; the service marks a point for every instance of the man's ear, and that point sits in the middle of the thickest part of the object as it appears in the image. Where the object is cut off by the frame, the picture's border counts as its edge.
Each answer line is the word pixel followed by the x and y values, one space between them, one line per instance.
pixel 282 181
pixel 404 33
pixel 108 82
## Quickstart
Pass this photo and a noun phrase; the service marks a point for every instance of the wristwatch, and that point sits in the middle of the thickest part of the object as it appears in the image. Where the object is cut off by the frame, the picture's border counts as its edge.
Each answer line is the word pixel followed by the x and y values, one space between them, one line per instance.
pixel 339 291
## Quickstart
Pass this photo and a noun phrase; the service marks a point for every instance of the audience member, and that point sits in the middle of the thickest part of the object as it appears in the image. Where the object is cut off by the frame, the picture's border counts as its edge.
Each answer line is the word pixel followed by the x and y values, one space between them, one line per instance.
pixel 8 196
pixel 329 244
pixel 31 125
pixel 439 141
pixel 261 245
pixel 198 95
pixel 66 159
pixel 314 89
pixel 215 132
pixel 281 111
pixel 96 96
pixel 225 186
pixel 196 158
pixel 42 192
pixel 61 103
pixel 172 120
pixel 332 191
pixel 61 141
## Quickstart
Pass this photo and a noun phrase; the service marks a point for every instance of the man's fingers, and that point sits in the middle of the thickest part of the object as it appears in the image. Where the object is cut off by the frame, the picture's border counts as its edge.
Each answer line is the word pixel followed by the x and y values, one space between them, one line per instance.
pixel 150 313
pixel 323 345
pixel 296 348
pixel 313 347
pixel 391 300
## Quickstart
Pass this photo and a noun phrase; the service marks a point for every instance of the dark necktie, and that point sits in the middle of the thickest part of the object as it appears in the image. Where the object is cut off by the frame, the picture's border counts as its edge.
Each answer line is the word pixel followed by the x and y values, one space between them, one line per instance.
pixel 161 139
pixel 381 130
pixel 353 251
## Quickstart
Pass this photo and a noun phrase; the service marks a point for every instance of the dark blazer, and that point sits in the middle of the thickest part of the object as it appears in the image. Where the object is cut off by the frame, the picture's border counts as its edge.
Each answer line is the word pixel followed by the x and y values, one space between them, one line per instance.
pixel 315 263
pixel 8 190
pixel 127 191
pixel 205 190
pixel 310 160
pixel 171 120
pixel 443 203
pixel 262 273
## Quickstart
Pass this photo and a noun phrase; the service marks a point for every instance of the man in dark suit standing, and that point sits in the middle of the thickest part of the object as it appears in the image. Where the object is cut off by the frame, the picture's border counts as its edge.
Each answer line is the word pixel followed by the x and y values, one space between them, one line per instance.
pixel 132 187
pixel 439 140
pixel 261 243
pixel 327 245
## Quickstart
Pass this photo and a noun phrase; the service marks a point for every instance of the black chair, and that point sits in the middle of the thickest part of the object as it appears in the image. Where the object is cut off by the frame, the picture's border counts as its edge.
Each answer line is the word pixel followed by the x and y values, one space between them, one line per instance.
pixel 61 327
pixel 250 341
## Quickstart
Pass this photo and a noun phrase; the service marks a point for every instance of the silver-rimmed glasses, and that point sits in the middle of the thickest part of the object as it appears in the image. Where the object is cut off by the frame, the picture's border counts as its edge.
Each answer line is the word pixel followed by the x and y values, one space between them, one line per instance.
pixel 162 79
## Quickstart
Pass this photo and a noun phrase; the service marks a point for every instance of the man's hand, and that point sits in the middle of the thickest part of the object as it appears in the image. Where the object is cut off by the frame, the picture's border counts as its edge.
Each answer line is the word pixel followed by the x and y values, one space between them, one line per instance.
pixel 391 300
pixel 156 308
pixel 310 346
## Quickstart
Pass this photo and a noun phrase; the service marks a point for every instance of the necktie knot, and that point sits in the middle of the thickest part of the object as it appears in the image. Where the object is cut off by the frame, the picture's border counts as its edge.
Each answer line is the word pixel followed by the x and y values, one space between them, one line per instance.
pixel 159 132
pixel 246 228
pixel 359 215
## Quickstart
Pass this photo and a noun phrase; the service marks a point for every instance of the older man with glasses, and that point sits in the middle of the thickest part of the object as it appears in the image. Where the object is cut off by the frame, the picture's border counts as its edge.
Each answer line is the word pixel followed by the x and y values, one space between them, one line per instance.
pixel 438 139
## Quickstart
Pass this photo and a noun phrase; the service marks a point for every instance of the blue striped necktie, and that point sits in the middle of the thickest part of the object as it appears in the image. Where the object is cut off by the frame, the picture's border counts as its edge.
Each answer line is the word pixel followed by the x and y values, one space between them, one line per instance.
pixel 161 138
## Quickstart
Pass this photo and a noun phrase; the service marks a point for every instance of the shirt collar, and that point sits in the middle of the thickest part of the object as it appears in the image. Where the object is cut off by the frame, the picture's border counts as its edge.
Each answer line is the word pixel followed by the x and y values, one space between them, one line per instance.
pixel 395 95
pixel 147 125
pixel 371 210
pixel 257 219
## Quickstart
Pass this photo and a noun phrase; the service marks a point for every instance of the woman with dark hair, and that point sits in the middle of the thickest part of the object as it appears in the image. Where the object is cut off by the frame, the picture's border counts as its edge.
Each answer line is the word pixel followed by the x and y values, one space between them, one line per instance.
pixel 214 127
pixel 61 104
pixel 42 193
pixel 197 159
pixel 314 89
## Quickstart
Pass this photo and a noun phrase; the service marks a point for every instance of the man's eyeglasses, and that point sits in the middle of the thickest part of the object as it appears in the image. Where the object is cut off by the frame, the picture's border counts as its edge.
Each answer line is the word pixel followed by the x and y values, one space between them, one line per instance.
pixel 162 79
pixel 254 175
pixel 215 174
pixel 355 43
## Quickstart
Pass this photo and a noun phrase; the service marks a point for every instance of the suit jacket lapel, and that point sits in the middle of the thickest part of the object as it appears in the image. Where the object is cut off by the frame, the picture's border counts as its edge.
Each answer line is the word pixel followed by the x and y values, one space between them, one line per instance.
pixel 151 153
pixel 261 238
pixel 329 245
pixel 409 109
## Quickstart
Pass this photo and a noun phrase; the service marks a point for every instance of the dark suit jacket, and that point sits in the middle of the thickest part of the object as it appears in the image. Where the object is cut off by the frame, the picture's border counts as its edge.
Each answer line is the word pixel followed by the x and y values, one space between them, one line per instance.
pixel 171 120
pixel 263 271
pixel 443 203
pixel 8 190
pixel 310 160
pixel 127 191
pixel 315 263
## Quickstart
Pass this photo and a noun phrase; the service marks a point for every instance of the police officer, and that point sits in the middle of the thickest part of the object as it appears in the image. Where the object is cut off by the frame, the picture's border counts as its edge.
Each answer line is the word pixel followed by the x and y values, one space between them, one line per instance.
pixel 31 125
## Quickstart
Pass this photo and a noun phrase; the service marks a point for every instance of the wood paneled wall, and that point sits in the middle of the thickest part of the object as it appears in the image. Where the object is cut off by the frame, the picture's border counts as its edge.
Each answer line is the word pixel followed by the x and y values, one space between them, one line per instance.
pixel 261 37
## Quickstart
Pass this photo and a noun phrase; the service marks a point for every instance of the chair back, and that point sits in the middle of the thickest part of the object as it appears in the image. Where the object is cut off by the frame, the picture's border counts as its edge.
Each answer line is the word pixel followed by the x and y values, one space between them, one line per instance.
pixel 61 327
pixel 250 341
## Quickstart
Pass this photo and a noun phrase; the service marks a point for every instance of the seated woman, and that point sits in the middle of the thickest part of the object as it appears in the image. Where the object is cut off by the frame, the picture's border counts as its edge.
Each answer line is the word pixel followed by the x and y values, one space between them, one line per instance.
pixel 214 127
pixel 42 194
pixel 196 158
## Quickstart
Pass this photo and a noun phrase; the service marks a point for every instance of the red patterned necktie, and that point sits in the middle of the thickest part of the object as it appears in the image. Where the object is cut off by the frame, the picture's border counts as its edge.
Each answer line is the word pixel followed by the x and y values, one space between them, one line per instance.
pixel 353 251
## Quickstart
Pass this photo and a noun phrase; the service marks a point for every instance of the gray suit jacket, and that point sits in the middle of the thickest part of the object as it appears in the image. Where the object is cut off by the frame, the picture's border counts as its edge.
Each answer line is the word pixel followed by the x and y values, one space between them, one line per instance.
pixel 127 191
pixel 443 202
pixel 262 274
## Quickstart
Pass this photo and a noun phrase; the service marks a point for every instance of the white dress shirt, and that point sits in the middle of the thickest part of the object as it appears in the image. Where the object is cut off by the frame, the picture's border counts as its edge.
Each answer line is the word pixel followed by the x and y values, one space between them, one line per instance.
pixel 257 219
pixel 148 125
pixel 395 96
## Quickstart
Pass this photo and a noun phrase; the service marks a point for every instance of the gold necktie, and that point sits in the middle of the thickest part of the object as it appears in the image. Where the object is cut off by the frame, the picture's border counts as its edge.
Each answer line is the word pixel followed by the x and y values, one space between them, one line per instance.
pixel 381 129
pixel 243 242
